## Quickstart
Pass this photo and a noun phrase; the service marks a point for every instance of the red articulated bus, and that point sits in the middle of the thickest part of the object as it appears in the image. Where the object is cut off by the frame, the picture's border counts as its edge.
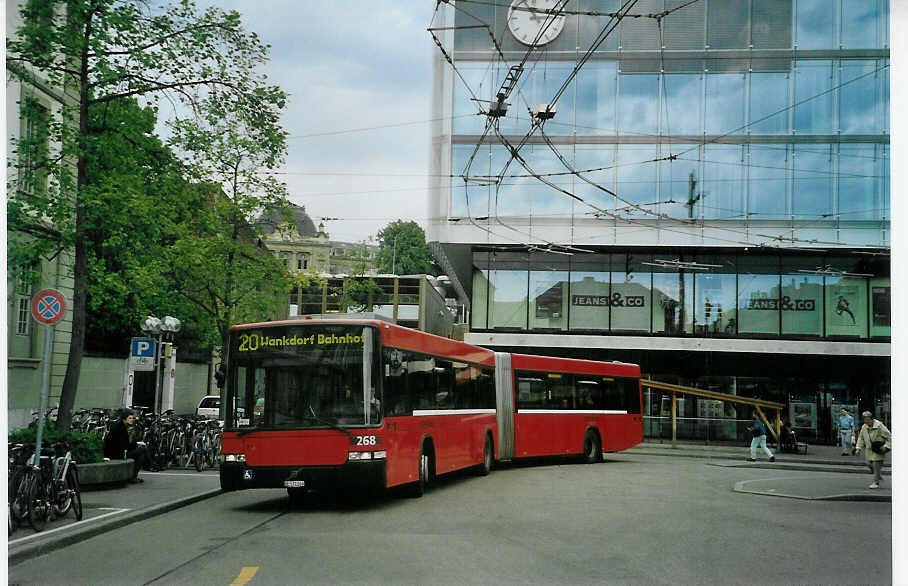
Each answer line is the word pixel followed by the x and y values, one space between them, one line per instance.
pixel 329 402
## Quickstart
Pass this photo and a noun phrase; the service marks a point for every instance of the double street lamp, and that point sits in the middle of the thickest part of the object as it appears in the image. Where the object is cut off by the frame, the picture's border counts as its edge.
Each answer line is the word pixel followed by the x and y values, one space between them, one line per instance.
pixel 163 332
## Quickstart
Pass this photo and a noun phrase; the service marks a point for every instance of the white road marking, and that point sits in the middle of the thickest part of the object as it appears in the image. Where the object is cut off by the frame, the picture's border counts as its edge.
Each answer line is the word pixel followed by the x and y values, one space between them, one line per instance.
pixel 70 526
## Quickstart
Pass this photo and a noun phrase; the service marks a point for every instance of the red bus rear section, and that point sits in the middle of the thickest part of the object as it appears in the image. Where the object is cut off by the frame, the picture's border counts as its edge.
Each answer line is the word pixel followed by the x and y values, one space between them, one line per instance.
pixel 328 403
pixel 567 406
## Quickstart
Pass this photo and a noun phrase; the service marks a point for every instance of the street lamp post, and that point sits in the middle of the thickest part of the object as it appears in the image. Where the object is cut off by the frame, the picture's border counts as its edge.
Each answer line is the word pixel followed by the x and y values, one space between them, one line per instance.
pixel 163 332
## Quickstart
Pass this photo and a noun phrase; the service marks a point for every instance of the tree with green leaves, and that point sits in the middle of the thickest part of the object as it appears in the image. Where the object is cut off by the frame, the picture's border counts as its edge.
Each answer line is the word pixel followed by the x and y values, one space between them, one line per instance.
pixel 217 261
pixel 101 51
pixel 137 198
pixel 403 250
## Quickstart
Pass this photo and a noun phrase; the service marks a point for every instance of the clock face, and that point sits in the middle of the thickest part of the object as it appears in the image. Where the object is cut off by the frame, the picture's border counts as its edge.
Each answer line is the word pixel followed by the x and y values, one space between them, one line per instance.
pixel 525 24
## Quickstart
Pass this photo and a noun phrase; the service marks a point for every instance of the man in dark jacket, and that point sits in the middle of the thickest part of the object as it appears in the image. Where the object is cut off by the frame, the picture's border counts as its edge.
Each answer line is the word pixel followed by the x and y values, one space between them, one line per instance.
pixel 117 444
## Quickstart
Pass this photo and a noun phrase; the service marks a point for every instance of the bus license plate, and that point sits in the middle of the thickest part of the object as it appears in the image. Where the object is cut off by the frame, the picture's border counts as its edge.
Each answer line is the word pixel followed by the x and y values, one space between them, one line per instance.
pixel 294 483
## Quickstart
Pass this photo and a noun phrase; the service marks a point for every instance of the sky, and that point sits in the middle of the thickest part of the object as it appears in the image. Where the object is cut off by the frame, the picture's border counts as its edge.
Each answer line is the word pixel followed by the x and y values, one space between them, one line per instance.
pixel 350 65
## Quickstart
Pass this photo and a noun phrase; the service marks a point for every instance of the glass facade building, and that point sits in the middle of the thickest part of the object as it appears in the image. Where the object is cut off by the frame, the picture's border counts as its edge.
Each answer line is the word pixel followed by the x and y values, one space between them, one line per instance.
pixel 713 183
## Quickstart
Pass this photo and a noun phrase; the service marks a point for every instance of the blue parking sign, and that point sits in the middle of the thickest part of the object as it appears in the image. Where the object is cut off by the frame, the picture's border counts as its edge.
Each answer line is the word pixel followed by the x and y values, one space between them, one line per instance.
pixel 142 347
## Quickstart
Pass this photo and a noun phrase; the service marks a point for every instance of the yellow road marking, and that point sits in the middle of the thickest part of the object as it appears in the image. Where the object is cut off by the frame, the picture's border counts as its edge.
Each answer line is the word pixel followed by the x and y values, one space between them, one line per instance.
pixel 246 574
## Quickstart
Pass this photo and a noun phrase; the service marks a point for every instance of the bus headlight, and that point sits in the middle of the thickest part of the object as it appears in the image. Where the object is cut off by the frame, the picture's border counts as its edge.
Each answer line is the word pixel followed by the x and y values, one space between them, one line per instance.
pixel 233 457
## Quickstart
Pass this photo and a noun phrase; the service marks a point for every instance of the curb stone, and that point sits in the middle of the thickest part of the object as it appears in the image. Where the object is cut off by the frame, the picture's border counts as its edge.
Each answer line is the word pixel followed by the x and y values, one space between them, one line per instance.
pixel 32 550
pixel 879 497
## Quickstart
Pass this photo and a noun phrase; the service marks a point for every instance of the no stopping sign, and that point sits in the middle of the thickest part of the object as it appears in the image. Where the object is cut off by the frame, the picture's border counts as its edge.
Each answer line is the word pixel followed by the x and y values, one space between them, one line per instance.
pixel 48 307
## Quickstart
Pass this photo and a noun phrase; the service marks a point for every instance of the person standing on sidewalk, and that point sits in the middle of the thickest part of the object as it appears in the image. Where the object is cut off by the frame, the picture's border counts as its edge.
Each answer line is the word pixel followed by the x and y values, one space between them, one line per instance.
pixel 876 439
pixel 758 430
pixel 846 428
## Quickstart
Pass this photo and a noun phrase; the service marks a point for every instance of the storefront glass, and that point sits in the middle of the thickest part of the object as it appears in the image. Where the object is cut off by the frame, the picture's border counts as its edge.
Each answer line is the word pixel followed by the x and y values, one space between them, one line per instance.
pixel 715 297
pixel 673 301
pixel 880 313
pixel 758 295
pixel 508 290
pixel 548 291
pixel 846 306
pixel 802 297
pixel 589 292
pixel 630 293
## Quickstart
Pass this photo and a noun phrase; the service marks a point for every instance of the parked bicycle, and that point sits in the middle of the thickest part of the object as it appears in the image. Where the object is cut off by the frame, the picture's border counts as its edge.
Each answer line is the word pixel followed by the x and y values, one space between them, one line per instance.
pixel 206 443
pixel 43 491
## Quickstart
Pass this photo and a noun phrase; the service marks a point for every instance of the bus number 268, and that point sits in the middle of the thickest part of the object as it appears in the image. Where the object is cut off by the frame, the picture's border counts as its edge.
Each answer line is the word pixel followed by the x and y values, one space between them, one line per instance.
pixel 365 440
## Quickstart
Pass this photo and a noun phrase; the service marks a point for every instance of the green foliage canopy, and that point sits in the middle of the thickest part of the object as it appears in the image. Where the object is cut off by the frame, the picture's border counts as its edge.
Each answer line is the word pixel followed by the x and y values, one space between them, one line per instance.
pixel 403 249
pixel 98 52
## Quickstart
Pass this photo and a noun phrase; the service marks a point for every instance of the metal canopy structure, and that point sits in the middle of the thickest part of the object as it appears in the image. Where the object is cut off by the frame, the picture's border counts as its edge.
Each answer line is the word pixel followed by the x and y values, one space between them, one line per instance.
pixel 757 404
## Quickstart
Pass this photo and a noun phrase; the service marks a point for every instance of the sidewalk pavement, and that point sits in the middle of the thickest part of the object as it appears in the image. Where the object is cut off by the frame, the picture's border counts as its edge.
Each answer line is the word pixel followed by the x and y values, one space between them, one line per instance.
pixel 838 477
pixel 104 509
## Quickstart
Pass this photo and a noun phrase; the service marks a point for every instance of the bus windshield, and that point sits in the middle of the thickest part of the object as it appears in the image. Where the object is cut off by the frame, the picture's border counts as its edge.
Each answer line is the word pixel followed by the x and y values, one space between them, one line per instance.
pixel 303 376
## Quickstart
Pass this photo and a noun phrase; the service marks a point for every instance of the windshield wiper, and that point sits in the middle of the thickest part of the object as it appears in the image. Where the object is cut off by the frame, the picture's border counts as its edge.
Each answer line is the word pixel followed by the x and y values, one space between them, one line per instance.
pixel 330 424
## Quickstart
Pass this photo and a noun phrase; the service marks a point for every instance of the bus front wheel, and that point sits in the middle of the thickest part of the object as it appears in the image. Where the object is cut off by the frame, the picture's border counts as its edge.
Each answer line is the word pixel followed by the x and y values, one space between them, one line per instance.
pixel 418 488
pixel 592 449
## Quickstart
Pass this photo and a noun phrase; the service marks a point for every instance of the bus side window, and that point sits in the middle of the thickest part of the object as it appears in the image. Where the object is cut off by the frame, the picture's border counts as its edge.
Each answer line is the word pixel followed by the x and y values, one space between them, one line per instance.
pixel 532 392
pixel 486 389
pixel 443 384
pixel 613 392
pixel 560 391
pixel 395 389
pixel 631 395
pixel 589 392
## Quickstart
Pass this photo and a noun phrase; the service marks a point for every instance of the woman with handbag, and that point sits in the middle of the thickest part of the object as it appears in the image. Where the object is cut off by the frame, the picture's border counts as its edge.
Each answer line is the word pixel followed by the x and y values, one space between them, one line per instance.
pixel 876 439
pixel 758 431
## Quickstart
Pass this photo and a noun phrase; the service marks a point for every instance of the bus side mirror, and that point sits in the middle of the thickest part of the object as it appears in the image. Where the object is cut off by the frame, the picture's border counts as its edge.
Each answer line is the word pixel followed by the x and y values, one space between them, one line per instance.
pixel 220 375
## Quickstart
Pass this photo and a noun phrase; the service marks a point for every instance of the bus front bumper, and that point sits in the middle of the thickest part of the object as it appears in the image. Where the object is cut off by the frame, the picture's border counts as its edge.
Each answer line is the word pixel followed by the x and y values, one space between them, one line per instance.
pixel 359 474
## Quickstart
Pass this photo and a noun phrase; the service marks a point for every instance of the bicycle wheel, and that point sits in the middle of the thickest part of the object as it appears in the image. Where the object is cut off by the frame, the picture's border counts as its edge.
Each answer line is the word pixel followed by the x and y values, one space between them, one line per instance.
pixel 18 495
pixel 176 444
pixel 197 454
pixel 186 451
pixel 215 450
pixel 72 487
pixel 64 501
pixel 39 505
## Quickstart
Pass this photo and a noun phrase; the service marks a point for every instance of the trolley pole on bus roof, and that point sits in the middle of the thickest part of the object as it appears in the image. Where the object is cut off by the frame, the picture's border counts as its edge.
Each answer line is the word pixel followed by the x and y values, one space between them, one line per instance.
pixel 48 307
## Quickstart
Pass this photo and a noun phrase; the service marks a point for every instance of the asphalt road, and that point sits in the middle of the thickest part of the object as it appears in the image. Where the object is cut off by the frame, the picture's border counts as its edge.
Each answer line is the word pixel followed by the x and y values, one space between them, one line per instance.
pixel 634 519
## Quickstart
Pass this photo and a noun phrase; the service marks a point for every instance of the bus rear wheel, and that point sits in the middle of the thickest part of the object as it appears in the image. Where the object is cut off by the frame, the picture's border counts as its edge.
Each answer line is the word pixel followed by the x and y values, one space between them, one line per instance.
pixel 487 456
pixel 592 449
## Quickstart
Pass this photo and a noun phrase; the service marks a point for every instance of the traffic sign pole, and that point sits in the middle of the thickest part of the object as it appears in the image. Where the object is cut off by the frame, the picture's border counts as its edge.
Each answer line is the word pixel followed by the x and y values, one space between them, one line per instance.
pixel 45 387
pixel 48 307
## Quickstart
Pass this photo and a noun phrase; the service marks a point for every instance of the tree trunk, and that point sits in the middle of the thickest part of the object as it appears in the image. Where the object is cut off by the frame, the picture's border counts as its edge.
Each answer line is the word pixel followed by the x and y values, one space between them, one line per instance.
pixel 80 260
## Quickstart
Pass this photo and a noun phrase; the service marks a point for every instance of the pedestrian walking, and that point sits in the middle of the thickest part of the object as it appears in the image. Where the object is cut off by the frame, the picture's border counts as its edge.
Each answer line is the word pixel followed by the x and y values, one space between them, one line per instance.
pixel 876 439
pixel 846 428
pixel 758 431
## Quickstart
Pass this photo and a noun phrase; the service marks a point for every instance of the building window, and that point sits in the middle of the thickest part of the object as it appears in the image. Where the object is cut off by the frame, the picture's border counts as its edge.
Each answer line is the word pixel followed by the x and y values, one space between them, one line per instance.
pixel 23 300
pixel 33 147
pixel 22 317
pixel 302 262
